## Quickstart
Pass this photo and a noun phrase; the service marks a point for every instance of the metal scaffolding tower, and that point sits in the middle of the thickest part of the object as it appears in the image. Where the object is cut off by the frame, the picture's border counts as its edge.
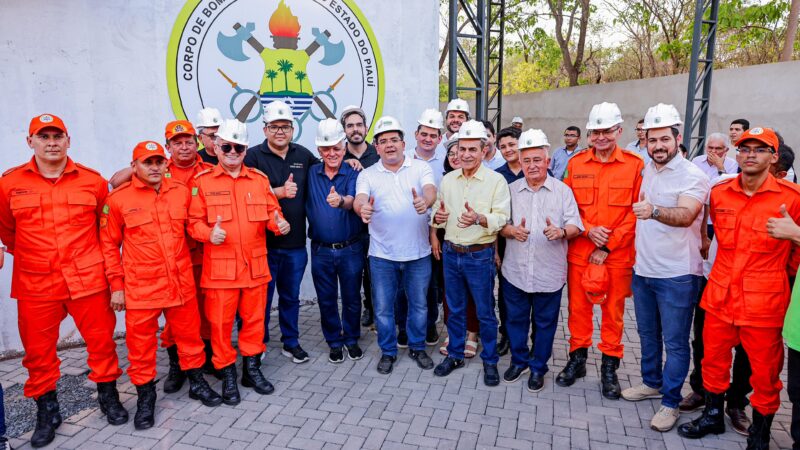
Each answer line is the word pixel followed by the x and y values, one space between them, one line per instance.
pixel 698 97
pixel 478 45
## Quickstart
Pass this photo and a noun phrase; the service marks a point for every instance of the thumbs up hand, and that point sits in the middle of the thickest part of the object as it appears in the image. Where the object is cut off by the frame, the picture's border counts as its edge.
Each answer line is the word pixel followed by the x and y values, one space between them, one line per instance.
pixel 419 202
pixel 217 233
pixel 334 199
pixel 520 232
pixel 290 187
pixel 553 232
pixel 367 210
pixel 441 214
pixel 643 209
pixel 469 217
pixel 783 227
pixel 283 225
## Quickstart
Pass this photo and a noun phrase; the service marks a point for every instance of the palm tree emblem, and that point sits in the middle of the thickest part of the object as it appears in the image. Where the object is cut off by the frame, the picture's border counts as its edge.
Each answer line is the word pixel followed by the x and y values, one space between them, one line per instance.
pixel 300 76
pixel 285 67
pixel 271 74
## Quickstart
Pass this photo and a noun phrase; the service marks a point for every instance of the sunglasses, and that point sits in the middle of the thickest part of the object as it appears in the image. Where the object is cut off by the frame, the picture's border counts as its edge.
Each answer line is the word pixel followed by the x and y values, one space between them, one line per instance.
pixel 239 148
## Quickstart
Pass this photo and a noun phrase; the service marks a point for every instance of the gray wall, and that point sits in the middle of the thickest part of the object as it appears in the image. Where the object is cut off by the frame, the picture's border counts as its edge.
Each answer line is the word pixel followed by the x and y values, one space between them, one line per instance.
pixel 767 95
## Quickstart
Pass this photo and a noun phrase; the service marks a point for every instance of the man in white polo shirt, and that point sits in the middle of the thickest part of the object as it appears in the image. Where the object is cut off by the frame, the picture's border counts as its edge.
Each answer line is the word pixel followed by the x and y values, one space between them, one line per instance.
pixel 668 263
pixel 393 196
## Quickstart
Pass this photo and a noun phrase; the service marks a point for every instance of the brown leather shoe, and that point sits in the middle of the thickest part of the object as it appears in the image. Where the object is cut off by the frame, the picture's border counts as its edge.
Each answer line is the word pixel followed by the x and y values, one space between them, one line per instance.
pixel 739 420
pixel 691 403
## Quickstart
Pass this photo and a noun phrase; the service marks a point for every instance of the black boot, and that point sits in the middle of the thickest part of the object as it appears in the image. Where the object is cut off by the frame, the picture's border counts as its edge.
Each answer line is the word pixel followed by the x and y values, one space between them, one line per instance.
pixel 575 368
pixel 758 434
pixel 47 420
pixel 208 367
pixel 252 376
pixel 230 391
pixel 108 398
pixel 712 421
pixel 200 390
pixel 608 377
pixel 145 416
pixel 176 377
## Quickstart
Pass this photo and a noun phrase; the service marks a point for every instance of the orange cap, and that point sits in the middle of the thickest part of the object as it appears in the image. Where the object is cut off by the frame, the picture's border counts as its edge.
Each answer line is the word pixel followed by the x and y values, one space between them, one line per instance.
pixel 764 135
pixel 595 283
pixel 177 128
pixel 44 121
pixel 146 149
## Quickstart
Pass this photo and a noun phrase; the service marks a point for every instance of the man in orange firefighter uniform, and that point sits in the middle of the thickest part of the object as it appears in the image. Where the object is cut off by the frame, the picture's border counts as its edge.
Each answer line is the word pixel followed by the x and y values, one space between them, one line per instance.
pixel 232 206
pixel 605 180
pixel 148 217
pixel 748 289
pixel 184 163
pixel 49 210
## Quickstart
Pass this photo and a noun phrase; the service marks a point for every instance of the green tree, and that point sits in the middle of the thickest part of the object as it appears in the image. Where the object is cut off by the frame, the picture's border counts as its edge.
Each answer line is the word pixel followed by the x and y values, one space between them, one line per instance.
pixel 285 67
pixel 300 76
pixel 271 75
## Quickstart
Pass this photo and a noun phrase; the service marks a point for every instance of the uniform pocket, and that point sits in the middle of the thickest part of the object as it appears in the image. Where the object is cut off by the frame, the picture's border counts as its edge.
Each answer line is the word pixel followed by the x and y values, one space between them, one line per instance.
pixel 764 297
pixel 139 227
pixel 583 188
pixel 223 264
pixel 27 210
pixel 257 209
pixel 178 218
pixel 258 262
pixel 762 242
pixel 724 230
pixel 219 206
pixel 150 282
pixel 82 207
pixel 620 194
pixel 34 275
pixel 91 270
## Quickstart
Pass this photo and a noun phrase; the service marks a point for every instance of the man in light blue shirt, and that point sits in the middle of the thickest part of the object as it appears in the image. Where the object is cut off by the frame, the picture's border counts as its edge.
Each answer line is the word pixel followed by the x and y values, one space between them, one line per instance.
pixel 562 155
pixel 640 144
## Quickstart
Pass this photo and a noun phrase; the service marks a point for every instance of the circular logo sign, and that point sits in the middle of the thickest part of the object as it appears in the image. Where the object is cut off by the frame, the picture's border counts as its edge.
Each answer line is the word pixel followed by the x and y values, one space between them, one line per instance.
pixel 240 55
pixel 151 146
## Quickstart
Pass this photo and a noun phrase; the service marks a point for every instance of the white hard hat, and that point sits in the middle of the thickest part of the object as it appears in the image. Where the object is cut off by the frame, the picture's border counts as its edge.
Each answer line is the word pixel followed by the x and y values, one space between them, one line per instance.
pixel 662 116
pixel 329 132
pixel 472 129
pixel 350 109
pixel 277 110
pixel 604 116
pixel 431 118
pixel 457 104
pixel 516 119
pixel 452 141
pixel 234 131
pixel 532 139
pixel 387 123
pixel 208 117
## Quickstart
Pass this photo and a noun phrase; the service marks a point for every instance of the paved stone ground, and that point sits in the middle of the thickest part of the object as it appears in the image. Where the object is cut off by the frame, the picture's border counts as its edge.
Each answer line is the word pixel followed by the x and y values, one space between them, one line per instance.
pixel 319 405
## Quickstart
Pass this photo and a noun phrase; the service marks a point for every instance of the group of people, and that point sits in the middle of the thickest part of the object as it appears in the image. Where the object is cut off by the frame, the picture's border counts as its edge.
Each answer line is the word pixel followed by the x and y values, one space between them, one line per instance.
pixel 206 236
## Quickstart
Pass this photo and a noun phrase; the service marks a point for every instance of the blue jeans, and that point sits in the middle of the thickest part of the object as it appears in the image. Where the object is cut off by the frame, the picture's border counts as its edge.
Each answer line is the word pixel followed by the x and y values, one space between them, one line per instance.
pixel 664 308
pixel 433 292
pixel 334 270
pixel 520 307
pixel 286 267
pixel 388 277
pixel 471 273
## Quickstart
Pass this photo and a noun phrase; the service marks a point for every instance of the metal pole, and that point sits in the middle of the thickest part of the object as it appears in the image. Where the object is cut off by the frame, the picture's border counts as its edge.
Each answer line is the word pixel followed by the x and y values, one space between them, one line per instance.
pixel 480 63
pixel 452 81
pixel 692 90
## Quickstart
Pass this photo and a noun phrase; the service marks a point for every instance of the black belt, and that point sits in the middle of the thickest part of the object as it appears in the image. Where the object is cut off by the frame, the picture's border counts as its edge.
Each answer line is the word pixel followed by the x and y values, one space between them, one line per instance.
pixel 468 248
pixel 338 245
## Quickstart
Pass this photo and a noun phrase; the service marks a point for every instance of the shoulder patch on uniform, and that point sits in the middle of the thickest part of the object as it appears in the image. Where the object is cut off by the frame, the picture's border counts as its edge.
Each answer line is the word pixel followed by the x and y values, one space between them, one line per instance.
pixel 105 208
pixel 199 174
pixel 119 188
pixel 789 185
pixel 88 168
pixel 195 190
pixel 631 152
pixel 103 221
pixel 167 175
pixel 253 169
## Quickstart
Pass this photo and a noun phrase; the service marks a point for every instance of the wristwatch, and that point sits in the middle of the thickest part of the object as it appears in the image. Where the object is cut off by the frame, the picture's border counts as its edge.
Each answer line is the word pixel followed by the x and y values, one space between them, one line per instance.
pixel 656 213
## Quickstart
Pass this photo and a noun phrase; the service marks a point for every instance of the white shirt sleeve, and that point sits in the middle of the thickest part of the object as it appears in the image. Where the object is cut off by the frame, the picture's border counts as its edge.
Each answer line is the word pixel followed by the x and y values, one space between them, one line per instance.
pixel 699 187
pixel 362 183
pixel 426 175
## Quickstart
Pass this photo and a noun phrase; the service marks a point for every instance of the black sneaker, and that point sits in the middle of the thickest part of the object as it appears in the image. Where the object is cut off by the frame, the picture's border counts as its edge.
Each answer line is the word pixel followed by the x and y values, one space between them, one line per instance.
pixel 447 366
pixel 336 356
pixel 535 382
pixel 297 354
pixel 432 336
pixel 402 339
pixel 385 364
pixel 354 352
pixel 513 373
pixel 423 360
pixel 490 375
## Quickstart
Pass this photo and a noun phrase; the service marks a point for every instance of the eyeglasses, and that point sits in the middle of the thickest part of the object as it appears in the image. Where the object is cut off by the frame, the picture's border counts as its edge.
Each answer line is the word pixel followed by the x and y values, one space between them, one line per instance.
pixel 756 151
pixel 211 135
pixel 571 135
pixel 274 129
pixel 607 133
pixel 639 130
pixel 387 141
pixel 239 148
pixel 451 154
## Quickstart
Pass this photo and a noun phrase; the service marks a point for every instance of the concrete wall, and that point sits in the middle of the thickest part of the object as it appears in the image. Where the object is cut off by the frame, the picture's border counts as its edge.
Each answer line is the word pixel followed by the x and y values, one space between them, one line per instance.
pixel 766 95
pixel 101 66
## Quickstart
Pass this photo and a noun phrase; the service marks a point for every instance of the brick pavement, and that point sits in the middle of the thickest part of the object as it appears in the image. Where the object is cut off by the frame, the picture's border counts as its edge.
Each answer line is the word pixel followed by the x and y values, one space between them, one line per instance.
pixel 319 405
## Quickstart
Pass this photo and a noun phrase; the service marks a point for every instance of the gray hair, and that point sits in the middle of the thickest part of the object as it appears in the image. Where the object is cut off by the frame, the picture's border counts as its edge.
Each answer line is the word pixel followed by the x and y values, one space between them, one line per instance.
pixel 719 137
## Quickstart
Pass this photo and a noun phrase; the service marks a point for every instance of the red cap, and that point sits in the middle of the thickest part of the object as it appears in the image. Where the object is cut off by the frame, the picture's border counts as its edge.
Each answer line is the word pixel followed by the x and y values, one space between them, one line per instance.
pixel 146 149
pixel 595 283
pixel 45 121
pixel 177 128
pixel 764 135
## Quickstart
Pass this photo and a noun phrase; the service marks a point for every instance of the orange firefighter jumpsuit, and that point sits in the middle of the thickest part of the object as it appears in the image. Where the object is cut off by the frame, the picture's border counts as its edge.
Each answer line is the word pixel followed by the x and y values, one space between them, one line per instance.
pixel 50 226
pixel 605 193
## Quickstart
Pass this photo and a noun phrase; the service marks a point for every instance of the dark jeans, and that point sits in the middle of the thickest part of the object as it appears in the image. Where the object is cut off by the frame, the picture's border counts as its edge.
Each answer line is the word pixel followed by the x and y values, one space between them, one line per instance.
pixel 366 278
pixel 470 273
pixel 433 292
pixel 335 270
pixel 2 414
pixel 521 306
pixel 736 397
pixel 286 267
pixel 793 388
pixel 388 277
pixel 664 308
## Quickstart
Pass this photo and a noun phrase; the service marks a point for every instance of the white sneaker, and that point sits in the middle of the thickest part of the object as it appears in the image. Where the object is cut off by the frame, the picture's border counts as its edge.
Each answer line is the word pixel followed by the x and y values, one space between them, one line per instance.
pixel 641 392
pixel 664 419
